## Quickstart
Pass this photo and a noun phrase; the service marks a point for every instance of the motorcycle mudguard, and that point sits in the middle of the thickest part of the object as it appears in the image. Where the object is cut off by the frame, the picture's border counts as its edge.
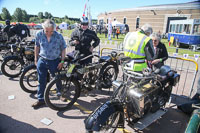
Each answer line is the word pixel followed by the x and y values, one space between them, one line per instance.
pixel 32 66
pixel 98 118
pixel 12 57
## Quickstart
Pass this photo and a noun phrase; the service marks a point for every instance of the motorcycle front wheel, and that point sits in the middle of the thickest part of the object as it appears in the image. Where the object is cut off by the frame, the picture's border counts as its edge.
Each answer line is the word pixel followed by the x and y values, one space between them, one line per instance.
pixel 29 79
pixel 64 97
pixel 12 67
pixel 112 123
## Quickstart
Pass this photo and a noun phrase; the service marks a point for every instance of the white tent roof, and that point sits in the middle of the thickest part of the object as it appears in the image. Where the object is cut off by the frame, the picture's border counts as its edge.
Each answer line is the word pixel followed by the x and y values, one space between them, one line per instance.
pixel 63 25
pixel 117 23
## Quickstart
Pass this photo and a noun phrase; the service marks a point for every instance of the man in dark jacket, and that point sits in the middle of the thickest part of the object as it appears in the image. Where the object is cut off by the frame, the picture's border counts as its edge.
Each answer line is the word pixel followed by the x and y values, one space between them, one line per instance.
pixel 82 37
pixel 7 29
pixel 20 30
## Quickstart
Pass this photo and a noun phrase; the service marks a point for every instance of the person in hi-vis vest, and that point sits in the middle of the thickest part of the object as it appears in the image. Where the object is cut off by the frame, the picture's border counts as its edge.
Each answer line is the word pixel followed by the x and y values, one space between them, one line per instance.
pixel 139 47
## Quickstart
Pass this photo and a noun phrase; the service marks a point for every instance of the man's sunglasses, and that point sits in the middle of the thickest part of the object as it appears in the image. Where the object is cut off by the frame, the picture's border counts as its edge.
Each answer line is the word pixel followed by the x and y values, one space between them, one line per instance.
pixel 84 24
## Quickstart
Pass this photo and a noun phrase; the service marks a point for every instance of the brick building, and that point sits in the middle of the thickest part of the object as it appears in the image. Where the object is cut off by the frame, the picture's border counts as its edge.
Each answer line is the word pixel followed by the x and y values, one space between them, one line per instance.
pixel 158 16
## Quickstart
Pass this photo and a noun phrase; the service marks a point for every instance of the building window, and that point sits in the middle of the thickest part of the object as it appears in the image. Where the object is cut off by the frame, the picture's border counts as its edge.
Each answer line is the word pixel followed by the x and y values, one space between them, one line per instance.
pixel 124 20
pixel 137 22
pixel 115 19
pixel 107 21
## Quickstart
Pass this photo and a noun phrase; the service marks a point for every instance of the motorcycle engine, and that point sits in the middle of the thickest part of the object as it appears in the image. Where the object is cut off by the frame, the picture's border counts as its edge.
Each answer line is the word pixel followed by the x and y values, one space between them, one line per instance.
pixel 146 98
pixel 29 54
pixel 150 96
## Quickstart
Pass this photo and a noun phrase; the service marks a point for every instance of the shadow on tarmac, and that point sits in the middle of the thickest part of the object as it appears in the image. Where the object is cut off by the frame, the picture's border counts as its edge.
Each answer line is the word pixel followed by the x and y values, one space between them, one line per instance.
pixel 10 125
pixel 174 120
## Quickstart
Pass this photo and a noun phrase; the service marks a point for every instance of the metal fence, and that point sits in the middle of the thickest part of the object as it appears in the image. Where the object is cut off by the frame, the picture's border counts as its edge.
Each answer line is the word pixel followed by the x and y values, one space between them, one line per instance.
pixel 187 68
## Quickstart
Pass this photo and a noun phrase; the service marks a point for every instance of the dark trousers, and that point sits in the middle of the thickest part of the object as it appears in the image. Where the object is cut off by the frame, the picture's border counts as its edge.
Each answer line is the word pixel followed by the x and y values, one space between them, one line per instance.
pixel 42 68
pixel 187 107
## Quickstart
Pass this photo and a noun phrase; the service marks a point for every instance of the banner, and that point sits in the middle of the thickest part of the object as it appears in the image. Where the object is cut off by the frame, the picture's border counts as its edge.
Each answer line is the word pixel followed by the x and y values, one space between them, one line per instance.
pixel 196 56
pixel 185 56
pixel 175 54
pixel 85 8
pixel 109 28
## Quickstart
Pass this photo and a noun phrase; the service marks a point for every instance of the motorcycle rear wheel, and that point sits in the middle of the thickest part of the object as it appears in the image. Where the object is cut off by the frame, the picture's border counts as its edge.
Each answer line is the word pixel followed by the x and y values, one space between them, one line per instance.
pixel 69 93
pixel 109 73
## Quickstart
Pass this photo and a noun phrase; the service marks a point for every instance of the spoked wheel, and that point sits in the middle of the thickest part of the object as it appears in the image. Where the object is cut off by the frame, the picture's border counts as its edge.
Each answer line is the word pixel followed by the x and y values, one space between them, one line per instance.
pixel 109 73
pixel 112 123
pixel 12 67
pixel 62 93
pixel 0 63
pixel 29 79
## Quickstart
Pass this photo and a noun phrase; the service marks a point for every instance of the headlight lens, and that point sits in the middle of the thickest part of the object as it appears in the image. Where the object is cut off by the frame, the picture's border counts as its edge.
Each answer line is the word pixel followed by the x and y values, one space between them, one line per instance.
pixel 114 54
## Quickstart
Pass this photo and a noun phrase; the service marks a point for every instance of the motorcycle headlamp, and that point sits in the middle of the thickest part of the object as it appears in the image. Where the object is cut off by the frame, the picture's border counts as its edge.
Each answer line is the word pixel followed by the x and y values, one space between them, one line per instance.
pixel 114 54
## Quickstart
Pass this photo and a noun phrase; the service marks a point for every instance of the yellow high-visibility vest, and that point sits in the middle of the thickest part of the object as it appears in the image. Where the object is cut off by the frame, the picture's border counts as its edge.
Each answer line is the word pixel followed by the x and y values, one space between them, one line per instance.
pixel 134 44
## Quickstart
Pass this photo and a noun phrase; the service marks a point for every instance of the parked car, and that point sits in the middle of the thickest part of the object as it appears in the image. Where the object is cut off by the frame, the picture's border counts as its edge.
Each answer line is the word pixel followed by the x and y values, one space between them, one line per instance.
pixel 38 27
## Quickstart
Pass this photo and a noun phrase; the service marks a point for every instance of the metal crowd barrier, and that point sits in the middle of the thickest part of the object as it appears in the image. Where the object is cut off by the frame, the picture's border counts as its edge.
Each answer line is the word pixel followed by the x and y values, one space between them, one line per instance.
pixel 187 68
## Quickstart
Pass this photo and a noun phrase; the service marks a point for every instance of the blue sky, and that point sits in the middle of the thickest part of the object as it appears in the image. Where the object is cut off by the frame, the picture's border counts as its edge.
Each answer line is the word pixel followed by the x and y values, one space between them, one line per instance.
pixel 74 8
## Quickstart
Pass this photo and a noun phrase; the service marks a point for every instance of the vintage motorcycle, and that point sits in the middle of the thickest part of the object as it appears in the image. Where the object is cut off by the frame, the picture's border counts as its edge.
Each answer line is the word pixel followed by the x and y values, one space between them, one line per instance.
pixel 134 101
pixel 81 78
pixel 28 80
pixel 23 54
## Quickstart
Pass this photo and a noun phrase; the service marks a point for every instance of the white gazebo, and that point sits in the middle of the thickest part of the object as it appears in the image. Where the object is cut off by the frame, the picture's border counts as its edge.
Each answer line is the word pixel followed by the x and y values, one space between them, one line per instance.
pixel 63 26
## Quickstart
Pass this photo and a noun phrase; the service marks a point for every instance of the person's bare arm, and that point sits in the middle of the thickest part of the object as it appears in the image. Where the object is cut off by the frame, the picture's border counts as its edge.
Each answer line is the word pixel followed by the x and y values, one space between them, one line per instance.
pixel 36 52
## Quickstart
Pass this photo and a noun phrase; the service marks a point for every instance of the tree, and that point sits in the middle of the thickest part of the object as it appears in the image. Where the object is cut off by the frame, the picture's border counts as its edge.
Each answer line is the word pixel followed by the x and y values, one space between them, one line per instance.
pixel 46 14
pixel 25 16
pixel 18 15
pixel 5 14
pixel 66 17
pixel 34 19
pixel 40 15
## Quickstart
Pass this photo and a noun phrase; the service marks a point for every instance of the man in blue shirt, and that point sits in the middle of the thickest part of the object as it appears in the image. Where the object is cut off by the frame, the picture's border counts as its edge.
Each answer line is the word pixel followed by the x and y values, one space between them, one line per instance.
pixel 49 46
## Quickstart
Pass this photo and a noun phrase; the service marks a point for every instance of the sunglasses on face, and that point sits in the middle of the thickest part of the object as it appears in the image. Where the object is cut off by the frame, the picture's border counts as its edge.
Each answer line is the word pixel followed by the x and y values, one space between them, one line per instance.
pixel 85 24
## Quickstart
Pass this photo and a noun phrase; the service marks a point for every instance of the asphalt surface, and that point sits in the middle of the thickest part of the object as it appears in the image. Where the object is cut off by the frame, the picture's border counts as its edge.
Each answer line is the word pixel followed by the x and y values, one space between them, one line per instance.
pixel 17 115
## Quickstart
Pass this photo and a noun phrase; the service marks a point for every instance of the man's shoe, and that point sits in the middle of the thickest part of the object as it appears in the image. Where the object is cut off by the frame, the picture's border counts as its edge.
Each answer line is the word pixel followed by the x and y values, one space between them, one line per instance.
pixel 38 104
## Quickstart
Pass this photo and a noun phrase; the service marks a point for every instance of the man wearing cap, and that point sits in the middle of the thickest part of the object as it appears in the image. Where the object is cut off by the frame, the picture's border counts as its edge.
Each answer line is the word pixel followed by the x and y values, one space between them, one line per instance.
pixel 82 37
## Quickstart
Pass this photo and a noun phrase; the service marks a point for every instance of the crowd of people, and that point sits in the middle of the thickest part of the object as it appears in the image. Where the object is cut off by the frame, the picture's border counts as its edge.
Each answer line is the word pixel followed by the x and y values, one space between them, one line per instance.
pixel 144 47
pixel 116 31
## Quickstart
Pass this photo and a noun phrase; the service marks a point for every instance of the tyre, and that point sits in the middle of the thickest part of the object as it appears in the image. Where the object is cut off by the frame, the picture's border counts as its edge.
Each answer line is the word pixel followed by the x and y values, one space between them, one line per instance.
pixel 29 79
pixel 12 67
pixel 65 97
pixel 112 122
pixel 109 73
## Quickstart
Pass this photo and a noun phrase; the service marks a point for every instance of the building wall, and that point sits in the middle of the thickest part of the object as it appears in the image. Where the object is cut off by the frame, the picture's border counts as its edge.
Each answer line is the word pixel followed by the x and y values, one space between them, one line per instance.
pixel 156 18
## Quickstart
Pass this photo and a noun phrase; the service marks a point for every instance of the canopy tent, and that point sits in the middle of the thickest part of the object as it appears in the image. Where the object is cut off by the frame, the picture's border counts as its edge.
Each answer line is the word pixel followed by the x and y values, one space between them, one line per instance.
pixel 117 24
pixel 63 25
pixel 32 24
pixel 13 23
